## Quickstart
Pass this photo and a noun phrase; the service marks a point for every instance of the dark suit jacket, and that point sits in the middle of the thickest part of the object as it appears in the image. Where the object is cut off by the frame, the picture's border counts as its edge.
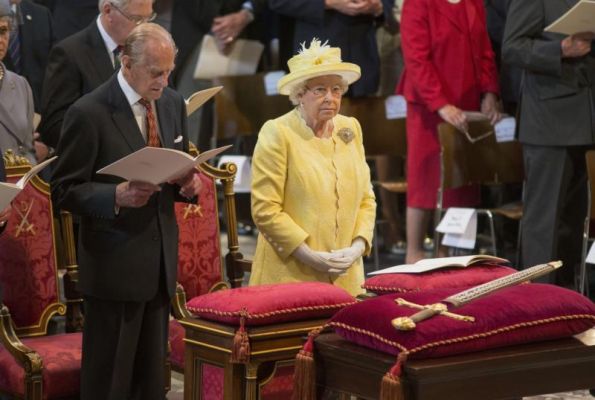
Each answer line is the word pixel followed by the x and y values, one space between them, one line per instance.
pixel 121 256
pixel 192 19
pixel 356 36
pixel 77 65
pixel 557 95
pixel 72 16
pixel 37 38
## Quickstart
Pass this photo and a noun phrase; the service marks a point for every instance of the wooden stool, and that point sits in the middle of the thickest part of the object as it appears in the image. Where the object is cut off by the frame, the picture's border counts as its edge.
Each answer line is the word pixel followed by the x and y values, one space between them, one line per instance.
pixel 211 343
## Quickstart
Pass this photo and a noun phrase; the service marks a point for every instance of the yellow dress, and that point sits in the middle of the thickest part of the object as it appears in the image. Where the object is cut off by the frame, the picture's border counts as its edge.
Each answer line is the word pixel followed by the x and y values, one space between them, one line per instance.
pixel 309 189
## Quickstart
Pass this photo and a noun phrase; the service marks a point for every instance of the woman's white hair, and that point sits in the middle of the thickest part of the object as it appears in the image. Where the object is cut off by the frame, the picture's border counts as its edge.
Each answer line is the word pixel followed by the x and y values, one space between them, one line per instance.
pixel 299 89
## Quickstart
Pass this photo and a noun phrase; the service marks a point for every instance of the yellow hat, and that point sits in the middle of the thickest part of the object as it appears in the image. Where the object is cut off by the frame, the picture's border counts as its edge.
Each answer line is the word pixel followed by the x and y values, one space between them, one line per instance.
pixel 318 60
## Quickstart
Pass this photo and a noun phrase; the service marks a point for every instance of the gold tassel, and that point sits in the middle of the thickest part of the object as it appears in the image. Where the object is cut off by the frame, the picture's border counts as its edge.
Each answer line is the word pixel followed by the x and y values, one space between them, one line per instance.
pixel 240 352
pixel 391 388
pixel 304 376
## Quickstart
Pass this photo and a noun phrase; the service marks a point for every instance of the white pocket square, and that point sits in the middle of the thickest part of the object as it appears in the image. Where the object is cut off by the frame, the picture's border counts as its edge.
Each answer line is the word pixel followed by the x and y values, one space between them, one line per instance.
pixel 178 139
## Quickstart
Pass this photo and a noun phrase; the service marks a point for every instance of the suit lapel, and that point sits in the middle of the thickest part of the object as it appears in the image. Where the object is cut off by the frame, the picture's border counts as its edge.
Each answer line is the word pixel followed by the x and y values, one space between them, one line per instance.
pixel 123 117
pixel 166 122
pixel 451 12
pixel 571 3
pixel 99 60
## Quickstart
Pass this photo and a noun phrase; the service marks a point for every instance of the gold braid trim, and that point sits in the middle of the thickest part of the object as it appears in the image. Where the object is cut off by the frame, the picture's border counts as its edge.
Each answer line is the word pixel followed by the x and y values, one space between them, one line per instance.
pixel 368 333
pixel 500 330
pixel 271 313
pixel 463 338
pixel 390 289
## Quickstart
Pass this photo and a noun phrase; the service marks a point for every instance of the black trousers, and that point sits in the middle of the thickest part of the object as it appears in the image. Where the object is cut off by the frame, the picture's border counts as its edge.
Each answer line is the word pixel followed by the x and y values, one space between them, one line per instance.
pixel 555 207
pixel 124 348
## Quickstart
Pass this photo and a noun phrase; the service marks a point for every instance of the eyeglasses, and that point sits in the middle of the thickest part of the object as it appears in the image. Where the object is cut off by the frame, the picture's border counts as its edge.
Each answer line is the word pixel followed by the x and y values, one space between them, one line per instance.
pixel 321 91
pixel 136 19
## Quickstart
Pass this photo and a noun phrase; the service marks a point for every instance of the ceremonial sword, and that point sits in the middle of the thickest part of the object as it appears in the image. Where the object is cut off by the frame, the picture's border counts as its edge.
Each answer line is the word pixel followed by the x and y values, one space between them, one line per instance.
pixel 466 296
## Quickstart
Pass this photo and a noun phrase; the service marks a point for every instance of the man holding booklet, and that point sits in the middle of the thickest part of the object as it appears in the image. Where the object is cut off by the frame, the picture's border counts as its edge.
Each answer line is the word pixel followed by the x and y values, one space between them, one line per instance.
pixel 556 126
pixel 128 232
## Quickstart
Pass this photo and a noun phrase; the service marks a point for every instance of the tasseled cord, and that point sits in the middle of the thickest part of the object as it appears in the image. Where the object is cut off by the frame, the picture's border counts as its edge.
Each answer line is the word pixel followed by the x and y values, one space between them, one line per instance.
pixel 240 352
pixel 304 376
pixel 391 388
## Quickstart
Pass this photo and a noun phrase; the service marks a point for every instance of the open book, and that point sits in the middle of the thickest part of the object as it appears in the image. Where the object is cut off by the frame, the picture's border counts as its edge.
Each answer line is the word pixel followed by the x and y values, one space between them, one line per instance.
pixel 242 59
pixel 9 191
pixel 580 18
pixel 197 99
pixel 431 264
pixel 157 165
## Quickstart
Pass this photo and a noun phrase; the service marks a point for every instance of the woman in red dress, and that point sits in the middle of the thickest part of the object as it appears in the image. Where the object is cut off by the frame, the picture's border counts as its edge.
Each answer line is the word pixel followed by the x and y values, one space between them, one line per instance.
pixel 449 67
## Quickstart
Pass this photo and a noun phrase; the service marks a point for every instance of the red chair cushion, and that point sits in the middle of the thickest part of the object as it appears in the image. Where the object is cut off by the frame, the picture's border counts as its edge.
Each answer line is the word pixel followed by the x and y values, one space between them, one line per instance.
pixel 439 279
pixel 267 304
pixel 61 355
pixel 515 315
pixel 176 340
pixel 199 250
pixel 27 258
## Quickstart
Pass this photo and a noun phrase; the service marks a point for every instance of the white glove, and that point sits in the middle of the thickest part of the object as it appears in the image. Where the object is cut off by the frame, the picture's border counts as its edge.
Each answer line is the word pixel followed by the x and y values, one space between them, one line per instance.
pixel 349 255
pixel 319 260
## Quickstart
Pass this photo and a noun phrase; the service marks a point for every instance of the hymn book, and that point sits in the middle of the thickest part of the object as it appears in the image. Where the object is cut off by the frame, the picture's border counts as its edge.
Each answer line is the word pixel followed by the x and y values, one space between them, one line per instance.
pixel 241 59
pixel 157 165
pixel 197 99
pixel 9 191
pixel 431 264
pixel 580 18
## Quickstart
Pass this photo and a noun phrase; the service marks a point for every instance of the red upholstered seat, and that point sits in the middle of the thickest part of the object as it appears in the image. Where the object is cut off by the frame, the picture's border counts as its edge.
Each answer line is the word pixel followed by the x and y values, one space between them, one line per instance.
pixel 61 355
pixel 33 365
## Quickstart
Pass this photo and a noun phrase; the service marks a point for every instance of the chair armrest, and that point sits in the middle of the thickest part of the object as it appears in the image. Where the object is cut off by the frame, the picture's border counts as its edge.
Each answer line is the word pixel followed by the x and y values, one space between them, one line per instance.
pixel 26 357
pixel 178 303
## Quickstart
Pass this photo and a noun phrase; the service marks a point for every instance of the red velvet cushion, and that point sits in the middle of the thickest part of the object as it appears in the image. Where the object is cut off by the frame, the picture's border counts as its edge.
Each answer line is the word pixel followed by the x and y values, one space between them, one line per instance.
pixel 267 304
pixel 515 315
pixel 61 355
pixel 439 279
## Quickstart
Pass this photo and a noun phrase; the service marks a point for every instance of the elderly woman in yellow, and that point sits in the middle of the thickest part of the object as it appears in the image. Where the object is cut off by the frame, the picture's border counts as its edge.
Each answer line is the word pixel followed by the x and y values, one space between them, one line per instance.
pixel 312 199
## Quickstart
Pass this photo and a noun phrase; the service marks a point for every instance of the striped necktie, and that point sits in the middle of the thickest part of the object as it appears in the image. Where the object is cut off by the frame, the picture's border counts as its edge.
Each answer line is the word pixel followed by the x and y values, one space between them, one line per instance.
pixel 152 136
pixel 14 49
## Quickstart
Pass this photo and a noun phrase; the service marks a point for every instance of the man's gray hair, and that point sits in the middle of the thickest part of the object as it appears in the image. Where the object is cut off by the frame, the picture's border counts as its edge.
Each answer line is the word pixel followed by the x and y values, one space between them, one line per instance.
pixel 122 4
pixel 139 37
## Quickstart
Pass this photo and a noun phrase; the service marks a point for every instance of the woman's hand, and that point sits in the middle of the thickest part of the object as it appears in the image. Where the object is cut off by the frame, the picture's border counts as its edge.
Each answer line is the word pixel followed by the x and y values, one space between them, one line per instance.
pixel 349 255
pixel 454 116
pixel 490 106
pixel 319 260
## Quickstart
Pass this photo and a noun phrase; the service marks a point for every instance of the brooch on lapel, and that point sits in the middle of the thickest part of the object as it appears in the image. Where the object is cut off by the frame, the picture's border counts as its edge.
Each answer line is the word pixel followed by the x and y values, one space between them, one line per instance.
pixel 346 135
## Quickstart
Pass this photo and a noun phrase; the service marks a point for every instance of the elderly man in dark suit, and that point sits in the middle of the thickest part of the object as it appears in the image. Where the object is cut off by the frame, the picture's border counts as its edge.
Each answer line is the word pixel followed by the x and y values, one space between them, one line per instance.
pixel 128 232
pixel 556 126
pixel 30 44
pixel 83 61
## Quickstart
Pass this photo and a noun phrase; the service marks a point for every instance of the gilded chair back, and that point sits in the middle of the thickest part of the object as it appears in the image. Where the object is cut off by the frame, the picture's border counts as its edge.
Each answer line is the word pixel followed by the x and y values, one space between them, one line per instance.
pixel 28 262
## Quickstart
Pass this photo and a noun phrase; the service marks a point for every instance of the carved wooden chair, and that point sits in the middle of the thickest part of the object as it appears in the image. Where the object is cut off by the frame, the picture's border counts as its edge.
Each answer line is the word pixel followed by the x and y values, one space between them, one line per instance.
pixel 200 263
pixel 482 161
pixel 33 364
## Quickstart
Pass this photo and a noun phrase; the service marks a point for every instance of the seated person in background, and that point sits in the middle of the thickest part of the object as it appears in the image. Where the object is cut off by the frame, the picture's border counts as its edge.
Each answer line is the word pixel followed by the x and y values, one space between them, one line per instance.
pixel 312 199
pixel 16 99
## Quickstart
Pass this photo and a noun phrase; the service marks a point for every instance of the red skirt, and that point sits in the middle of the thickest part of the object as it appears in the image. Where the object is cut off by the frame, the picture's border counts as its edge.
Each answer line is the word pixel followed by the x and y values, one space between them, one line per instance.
pixel 423 163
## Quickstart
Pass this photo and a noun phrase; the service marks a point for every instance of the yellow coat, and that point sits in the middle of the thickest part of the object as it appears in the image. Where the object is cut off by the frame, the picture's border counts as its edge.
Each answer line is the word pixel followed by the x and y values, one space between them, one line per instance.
pixel 309 189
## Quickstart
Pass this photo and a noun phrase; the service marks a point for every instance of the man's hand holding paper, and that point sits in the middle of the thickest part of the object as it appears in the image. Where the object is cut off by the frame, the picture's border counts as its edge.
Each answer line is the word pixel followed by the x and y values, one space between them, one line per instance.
pixel 190 184
pixel 134 194
pixel 577 45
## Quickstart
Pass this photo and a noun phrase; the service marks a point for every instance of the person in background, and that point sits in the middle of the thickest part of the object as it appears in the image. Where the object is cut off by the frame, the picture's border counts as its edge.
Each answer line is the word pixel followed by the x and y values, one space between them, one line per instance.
pixel 312 198
pixel 556 127
pixel 449 68
pixel 30 43
pixel 80 63
pixel 16 99
pixel 128 232
pixel 347 24
pixel 4 214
